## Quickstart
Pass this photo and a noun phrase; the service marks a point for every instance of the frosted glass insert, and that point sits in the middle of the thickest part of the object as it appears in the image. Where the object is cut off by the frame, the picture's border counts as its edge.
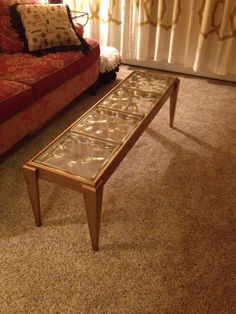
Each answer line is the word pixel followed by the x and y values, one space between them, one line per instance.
pixel 107 124
pixel 148 82
pixel 131 101
pixel 78 155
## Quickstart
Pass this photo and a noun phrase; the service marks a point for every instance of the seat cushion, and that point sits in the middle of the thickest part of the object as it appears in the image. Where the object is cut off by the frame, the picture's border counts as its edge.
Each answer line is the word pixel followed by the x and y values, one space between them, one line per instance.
pixel 14 97
pixel 45 73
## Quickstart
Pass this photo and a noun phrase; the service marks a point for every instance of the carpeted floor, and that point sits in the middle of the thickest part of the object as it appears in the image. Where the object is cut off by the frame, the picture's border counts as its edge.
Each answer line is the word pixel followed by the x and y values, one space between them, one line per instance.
pixel 168 231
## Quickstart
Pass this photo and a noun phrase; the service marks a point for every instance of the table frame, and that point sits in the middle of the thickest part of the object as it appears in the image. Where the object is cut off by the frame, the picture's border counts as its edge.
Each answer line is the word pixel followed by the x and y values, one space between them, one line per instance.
pixel 92 191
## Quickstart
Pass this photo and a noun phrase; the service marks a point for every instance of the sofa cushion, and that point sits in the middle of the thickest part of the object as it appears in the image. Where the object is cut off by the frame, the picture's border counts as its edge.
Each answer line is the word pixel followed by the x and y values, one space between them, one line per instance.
pixel 14 97
pixel 5 4
pixel 9 38
pixel 47 72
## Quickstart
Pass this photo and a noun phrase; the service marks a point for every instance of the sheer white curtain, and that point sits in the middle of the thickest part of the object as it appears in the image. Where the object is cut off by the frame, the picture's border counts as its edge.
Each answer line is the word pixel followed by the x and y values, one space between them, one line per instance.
pixel 198 34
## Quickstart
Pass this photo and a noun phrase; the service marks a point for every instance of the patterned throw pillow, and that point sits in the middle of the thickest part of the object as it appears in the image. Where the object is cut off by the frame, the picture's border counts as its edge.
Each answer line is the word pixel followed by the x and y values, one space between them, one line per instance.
pixel 9 38
pixel 44 27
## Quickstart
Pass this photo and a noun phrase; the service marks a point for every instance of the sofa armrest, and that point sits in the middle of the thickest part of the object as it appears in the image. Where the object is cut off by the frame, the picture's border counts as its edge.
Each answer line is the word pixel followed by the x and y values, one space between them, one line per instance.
pixel 79 29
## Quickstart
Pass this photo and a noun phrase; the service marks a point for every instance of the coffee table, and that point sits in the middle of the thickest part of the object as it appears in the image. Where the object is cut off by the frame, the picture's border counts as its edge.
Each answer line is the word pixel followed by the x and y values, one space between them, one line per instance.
pixel 86 154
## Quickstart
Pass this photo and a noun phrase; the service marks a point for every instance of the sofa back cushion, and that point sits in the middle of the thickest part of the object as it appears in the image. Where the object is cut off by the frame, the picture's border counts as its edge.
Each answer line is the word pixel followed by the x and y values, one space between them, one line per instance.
pixel 9 38
pixel 5 4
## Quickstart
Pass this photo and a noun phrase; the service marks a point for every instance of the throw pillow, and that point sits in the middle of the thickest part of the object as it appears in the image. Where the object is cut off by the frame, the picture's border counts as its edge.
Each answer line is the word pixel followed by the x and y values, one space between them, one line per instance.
pixel 46 28
pixel 9 38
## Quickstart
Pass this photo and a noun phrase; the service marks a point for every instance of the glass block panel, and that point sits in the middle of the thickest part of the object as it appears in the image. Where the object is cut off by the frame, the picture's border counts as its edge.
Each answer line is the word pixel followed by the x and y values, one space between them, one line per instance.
pixel 131 101
pixel 107 124
pixel 148 82
pixel 78 155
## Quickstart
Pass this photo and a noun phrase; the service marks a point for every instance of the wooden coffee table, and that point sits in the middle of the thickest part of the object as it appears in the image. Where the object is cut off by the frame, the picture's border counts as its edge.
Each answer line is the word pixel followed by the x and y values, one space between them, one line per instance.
pixel 86 154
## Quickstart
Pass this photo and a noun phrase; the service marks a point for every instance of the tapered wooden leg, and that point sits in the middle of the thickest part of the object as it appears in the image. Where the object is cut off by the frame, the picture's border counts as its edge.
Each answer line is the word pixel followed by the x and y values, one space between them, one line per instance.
pixel 93 207
pixel 173 102
pixel 30 174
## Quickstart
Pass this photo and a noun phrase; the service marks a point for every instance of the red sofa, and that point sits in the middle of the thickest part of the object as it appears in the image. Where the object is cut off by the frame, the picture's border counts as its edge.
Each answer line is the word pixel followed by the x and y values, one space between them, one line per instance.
pixel 33 89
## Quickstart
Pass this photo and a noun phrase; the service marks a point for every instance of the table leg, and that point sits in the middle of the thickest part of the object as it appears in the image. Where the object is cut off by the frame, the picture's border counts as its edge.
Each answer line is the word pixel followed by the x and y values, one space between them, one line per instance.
pixel 30 174
pixel 93 207
pixel 173 102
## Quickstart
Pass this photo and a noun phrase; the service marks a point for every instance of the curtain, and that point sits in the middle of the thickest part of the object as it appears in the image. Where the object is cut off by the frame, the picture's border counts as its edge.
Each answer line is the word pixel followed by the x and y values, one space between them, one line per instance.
pixel 198 34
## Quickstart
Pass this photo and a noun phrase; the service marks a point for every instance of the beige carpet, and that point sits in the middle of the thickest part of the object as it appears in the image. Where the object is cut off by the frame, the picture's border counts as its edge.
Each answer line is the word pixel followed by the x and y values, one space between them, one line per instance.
pixel 168 232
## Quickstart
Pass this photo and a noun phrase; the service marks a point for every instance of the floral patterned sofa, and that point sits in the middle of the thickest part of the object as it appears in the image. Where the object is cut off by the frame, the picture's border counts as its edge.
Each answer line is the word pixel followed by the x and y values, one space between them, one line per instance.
pixel 33 89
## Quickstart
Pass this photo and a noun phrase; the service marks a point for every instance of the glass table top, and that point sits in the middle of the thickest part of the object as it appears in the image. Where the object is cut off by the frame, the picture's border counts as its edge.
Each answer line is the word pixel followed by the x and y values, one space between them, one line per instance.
pixel 131 101
pixel 147 83
pixel 78 154
pixel 92 141
pixel 107 124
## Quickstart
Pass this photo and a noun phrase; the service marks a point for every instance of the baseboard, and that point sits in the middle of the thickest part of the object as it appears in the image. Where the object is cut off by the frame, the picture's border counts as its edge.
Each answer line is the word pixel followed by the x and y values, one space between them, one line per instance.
pixel 176 68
